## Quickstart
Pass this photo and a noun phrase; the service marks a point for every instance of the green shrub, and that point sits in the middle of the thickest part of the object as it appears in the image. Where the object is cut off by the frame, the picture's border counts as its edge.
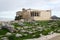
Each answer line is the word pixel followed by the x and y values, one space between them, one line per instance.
pixel 3 31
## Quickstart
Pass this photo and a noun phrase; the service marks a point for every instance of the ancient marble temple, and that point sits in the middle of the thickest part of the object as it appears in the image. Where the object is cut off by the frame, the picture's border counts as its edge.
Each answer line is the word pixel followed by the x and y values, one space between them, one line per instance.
pixel 33 14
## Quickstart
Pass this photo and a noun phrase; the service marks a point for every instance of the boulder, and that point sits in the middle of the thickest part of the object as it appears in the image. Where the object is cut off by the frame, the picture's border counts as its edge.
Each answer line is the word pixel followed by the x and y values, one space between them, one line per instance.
pixel 0 27
pixel 18 35
pixel 8 26
pixel 4 38
pixel 21 23
pixel 8 34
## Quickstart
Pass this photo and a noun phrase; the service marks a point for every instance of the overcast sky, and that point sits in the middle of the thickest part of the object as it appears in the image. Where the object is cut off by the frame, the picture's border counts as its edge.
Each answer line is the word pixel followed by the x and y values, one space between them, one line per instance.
pixel 8 8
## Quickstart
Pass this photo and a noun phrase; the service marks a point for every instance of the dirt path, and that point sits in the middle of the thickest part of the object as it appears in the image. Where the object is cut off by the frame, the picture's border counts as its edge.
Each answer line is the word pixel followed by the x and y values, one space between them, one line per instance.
pixel 56 38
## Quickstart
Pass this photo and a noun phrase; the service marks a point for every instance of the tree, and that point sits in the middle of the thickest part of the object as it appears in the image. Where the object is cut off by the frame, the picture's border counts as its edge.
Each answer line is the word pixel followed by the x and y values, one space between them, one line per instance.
pixel 55 17
pixel 18 17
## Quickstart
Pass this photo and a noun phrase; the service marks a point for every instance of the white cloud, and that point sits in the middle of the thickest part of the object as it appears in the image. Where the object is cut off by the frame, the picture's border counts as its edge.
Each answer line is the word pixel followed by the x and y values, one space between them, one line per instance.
pixel 9 7
pixel 7 14
pixel 54 1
